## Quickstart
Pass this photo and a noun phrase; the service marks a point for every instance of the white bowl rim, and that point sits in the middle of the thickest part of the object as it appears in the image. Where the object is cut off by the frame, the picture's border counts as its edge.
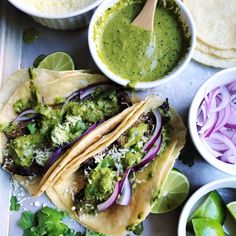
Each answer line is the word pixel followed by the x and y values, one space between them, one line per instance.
pixel 220 165
pixel 205 189
pixel 142 85
pixel 30 11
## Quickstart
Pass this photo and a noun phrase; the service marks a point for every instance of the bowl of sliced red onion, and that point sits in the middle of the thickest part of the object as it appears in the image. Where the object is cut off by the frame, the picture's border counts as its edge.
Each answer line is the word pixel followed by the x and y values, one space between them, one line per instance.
pixel 212 120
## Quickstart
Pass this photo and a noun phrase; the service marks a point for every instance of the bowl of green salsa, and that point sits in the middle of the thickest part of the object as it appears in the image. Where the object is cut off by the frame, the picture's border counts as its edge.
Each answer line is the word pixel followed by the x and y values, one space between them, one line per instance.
pixel 137 58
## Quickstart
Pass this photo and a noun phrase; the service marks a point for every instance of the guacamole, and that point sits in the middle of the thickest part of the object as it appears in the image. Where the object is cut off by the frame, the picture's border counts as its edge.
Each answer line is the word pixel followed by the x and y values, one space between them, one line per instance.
pixel 136 54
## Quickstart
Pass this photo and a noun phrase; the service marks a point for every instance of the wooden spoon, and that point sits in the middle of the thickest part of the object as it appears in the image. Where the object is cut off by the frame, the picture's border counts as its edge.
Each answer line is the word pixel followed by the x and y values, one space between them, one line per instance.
pixel 145 18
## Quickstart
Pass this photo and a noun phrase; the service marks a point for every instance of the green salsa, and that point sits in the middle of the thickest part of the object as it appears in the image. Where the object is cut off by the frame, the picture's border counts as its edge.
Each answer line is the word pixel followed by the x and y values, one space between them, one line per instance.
pixel 136 54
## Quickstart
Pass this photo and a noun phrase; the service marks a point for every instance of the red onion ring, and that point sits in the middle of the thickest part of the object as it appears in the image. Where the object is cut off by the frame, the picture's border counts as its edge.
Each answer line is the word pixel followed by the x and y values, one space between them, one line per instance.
pixel 225 99
pixel 156 132
pixel 21 116
pixel 218 130
pixel 228 157
pixel 212 102
pixel 231 123
pixel 152 153
pixel 125 194
pixel 111 200
pixel 85 92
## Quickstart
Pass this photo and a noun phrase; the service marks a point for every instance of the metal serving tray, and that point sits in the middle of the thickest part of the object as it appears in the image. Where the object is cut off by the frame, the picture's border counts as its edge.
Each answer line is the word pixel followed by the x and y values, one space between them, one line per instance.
pixel 14 54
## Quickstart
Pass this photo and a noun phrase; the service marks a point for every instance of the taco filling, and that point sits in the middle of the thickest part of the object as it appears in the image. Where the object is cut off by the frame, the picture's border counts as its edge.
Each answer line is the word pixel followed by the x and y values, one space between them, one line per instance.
pixel 108 177
pixel 41 133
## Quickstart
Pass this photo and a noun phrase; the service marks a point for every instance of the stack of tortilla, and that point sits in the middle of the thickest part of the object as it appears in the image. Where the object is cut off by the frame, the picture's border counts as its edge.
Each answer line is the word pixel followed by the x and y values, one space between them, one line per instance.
pixel 216 31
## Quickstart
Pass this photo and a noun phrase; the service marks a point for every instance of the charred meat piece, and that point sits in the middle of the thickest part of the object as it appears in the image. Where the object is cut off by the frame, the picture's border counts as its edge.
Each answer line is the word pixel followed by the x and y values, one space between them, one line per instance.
pixel 19 130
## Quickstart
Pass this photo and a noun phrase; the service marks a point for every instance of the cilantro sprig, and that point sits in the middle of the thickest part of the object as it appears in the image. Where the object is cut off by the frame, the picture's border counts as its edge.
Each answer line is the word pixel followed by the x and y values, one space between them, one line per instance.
pixel 47 221
pixel 15 205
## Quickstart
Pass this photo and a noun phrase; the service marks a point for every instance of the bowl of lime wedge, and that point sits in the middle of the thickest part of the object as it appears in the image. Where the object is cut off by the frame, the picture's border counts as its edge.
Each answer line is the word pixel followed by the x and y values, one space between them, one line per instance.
pixel 210 211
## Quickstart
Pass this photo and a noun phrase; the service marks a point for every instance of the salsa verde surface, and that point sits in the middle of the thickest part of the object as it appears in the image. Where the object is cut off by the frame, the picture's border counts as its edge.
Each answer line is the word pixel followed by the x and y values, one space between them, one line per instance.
pixel 139 55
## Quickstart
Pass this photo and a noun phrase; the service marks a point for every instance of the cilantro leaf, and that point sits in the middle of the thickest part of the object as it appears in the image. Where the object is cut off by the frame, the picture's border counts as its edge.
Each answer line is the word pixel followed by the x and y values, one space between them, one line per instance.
pixel 45 222
pixel 15 206
pixel 32 128
pixel 30 35
pixel 27 220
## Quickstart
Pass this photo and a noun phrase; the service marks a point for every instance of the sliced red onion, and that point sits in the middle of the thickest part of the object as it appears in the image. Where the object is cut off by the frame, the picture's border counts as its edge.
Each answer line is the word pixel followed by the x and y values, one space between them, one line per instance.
pixel 156 132
pixel 212 151
pixel 55 155
pixel 126 175
pixel 233 101
pixel 223 118
pixel 232 86
pixel 202 114
pixel 152 153
pixel 209 126
pixel 231 123
pixel 225 99
pixel 221 137
pixel 228 157
pixel 211 101
pixel 218 146
pixel 59 151
pixel 73 95
pixel 125 194
pixel 228 132
pixel 218 131
pixel 23 115
pixel 111 200
pixel 85 92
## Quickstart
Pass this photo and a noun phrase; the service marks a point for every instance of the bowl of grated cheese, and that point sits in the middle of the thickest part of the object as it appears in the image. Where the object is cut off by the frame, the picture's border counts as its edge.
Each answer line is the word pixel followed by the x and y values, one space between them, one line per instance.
pixel 59 14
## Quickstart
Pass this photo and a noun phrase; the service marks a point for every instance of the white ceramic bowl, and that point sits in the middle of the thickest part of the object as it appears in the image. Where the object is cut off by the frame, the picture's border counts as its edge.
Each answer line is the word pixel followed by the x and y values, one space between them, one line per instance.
pixel 73 20
pixel 186 18
pixel 196 198
pixel 220 78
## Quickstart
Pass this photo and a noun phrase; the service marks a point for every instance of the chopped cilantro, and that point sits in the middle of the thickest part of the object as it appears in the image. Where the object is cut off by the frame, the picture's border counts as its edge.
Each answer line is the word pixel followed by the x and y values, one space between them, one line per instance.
pixel 27 220
pixel 32 128
pixel 47 221
pixel 15 205
pixel 30 35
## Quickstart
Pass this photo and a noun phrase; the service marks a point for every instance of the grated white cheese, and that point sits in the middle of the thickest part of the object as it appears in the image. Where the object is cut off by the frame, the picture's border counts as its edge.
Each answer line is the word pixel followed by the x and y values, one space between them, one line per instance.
pixel 41 156
pixel 57 6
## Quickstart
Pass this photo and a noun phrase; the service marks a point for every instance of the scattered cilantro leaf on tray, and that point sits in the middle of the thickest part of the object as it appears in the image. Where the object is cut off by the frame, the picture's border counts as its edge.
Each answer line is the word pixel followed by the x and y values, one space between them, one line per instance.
pixel 30 35
pixel 15 205
pixel 27 220
pixel 47 221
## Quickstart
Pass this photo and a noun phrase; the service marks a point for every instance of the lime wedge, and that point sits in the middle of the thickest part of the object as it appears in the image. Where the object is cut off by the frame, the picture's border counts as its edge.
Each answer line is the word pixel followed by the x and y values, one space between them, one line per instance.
pixel 232 209
pixel 207 227
pixel 212 207
pixel 173 192
pixel 58 61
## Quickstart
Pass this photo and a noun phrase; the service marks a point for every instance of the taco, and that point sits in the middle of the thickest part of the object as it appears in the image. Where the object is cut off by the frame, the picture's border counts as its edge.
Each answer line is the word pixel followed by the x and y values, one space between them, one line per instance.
pixel 47 118
pixel 110 188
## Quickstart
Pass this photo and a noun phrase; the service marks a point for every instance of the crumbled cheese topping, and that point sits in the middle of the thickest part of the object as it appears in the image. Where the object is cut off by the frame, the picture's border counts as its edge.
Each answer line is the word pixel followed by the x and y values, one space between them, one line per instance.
pixel 41 156
pixel 57 6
